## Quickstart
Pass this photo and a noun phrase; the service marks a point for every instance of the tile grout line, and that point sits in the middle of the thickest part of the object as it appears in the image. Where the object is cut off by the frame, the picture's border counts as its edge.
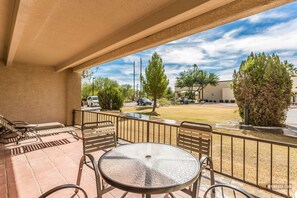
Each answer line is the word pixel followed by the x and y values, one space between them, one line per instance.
pixel 34 176
pixel 74 162
pixel 54 166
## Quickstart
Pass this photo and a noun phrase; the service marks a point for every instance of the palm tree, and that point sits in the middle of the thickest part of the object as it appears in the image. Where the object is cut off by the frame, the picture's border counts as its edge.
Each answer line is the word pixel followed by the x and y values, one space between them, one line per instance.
pixel 196 78
pixel 204 78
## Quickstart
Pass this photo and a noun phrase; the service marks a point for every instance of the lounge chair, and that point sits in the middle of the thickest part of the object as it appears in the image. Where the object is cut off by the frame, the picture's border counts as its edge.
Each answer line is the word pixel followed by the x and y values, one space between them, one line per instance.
pixel 22 128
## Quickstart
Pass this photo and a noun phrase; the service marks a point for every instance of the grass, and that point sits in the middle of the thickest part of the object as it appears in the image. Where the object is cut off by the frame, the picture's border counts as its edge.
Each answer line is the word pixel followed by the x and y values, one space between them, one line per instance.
pixel 207 113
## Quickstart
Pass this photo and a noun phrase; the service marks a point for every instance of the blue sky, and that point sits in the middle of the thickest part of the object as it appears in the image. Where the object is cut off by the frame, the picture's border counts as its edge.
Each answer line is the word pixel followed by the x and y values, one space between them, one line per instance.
pixel 219 50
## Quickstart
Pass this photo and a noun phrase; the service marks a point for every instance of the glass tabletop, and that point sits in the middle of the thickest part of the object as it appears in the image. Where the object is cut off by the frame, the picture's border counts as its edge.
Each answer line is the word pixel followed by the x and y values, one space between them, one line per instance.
pixel 149 168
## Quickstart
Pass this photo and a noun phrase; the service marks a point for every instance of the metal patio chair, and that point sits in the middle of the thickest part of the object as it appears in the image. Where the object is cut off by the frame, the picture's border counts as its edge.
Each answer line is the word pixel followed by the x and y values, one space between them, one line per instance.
pixel 226 190
pixel 20 128
pixel 96 136
pixel 196 138
pixel 65 186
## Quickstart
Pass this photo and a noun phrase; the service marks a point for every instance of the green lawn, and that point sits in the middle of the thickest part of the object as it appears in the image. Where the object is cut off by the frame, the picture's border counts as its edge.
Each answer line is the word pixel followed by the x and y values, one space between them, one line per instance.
pixel 207 113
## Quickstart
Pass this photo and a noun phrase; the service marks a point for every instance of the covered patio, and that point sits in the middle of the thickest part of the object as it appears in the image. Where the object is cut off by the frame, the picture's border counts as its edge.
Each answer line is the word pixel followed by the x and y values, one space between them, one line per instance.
pixel 44 47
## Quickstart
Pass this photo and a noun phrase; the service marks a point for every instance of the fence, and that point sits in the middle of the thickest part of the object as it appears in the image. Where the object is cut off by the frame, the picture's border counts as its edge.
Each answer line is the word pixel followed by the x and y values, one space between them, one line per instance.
pixel 269 165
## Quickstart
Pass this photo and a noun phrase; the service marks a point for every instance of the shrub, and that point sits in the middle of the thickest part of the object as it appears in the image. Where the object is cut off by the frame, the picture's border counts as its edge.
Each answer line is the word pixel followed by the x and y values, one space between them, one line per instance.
pixel 226 101
pixel 232 101
pixel 221 101
pixel 206 100
pixel 107 94
pixel 264 82
pixel 210 100
pixel 164 102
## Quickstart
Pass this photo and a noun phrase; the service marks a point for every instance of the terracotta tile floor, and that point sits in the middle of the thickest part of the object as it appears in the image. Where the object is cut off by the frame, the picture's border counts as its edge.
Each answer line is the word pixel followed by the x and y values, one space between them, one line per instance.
pixel 31 168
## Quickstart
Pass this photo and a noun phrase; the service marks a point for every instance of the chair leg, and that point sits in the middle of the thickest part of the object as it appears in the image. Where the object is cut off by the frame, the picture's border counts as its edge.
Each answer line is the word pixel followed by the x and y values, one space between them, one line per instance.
pixel 212 181
pixel 80 168
pixel 96 171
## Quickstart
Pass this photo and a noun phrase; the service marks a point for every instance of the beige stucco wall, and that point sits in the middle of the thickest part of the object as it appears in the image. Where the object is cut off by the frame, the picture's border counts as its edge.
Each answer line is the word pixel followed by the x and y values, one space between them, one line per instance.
pixel 227 94
pixel 294 84
pixel 38 94
pixel 215 92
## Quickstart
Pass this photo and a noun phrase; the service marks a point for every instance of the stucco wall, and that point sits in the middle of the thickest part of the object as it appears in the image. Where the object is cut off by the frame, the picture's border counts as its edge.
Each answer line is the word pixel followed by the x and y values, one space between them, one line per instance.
pixel 38 94
pixel 227 94
pixel 294 89
pixel 215 92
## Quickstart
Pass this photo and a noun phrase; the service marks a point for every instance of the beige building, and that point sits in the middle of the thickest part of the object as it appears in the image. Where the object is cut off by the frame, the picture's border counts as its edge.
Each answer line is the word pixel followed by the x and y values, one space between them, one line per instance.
pixel 44 45
pixel 220 92
pixel 224 92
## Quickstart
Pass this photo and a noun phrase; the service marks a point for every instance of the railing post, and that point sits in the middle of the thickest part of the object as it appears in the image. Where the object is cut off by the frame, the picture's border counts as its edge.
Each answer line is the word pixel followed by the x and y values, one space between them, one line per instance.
pixel 97 118
pixel 82 117
pixel 147 131
pixel 73 117
pixel 117 128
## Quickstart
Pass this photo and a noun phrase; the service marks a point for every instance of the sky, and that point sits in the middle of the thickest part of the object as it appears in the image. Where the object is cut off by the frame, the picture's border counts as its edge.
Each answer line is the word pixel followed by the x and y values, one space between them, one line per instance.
pixel 219 50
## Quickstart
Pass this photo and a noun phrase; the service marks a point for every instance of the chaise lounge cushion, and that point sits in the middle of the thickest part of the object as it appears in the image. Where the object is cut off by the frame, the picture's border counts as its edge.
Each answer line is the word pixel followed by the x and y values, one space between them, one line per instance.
pixel 50 125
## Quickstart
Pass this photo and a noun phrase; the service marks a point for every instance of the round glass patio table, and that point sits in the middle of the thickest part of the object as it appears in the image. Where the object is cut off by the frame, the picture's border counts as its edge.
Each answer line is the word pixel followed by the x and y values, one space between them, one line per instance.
pixel 149 168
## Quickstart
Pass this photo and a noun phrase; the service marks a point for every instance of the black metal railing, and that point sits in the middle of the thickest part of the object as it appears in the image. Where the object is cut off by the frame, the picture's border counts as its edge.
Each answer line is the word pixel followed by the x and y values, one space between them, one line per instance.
pixel 265 164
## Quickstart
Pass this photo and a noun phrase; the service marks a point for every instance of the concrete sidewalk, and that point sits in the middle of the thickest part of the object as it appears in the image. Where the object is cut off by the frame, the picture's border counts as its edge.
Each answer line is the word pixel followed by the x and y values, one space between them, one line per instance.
pixel 292 120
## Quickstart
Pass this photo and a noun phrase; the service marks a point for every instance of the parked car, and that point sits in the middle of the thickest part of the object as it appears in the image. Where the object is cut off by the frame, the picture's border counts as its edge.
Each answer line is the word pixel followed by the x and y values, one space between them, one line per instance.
pixel 144 102
pixel 93 101
pixel 184 100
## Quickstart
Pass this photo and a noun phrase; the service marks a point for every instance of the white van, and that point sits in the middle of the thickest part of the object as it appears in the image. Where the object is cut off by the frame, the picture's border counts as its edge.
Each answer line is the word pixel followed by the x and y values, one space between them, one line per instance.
pixel 92 101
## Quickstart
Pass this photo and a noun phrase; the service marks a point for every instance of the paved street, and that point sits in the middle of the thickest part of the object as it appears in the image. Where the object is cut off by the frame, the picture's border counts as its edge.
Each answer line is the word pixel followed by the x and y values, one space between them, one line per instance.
pixel 292 117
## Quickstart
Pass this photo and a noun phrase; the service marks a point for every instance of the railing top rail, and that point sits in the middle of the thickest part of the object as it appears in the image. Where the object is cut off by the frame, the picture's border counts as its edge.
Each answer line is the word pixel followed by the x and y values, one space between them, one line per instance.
pixel 214 132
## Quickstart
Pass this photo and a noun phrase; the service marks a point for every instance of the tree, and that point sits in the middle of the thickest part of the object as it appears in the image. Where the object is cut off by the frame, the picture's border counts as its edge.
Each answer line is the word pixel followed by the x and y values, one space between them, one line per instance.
pixel 155 81
pixel 87 74
pixel 86 90
pixel 204 78
pixel 109 90
pixel 196 80
pixel 187 79
pixel 169 93
pixel 102 82
pixel 127 91
pixel 264 83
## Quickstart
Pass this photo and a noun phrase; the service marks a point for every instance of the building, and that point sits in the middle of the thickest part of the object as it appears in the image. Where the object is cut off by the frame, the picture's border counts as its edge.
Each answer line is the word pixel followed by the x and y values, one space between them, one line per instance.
pixel 224 92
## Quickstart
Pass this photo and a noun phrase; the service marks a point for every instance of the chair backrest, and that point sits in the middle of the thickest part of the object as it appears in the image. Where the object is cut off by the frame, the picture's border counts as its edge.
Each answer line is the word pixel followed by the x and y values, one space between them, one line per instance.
pixel 226 190
pixel 195 137
pixel 6 124
pixel 98 136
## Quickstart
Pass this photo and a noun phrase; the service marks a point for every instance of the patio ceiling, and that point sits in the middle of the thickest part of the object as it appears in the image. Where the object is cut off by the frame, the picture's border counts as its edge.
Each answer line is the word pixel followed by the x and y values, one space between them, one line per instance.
pixel 79 35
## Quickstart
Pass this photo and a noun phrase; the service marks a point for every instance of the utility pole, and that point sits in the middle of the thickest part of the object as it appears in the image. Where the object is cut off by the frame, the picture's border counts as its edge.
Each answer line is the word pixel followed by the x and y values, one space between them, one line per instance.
pixel 134 80
pixel 137 92
pixel 93 79
pixel 140 75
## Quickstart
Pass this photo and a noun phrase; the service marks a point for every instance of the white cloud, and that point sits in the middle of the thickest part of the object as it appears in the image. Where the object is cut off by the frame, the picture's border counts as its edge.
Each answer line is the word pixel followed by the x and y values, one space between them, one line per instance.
pixel 266 16
pixel 225 74
pixel 278 37
pixel 180 54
